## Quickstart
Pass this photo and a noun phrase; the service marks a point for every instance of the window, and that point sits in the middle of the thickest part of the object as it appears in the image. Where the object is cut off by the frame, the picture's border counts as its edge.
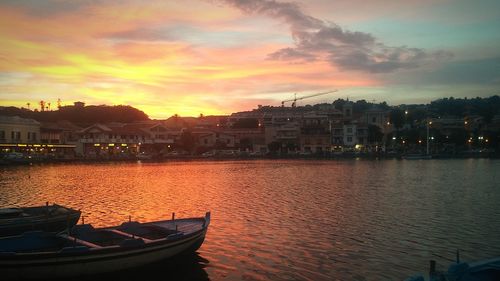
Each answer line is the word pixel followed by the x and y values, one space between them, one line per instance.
pixel 2 135
pixel 374 119
pixel 349 139
pixel 349 130
pixel 15 135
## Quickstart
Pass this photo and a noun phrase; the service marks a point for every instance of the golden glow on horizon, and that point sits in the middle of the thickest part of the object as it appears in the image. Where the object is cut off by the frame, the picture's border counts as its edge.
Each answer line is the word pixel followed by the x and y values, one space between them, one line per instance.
pixel 101 55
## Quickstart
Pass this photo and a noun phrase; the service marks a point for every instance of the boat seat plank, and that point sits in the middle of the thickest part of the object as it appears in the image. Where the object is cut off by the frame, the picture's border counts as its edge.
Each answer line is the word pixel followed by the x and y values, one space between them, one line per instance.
pixel 130 235
pixel 79 241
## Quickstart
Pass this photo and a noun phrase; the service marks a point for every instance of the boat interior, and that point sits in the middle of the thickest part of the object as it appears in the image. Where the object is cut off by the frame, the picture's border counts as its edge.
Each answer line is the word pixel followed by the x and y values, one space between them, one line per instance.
pixel 123 235
pixel 148 231
pixel 31 242
pixel 86 237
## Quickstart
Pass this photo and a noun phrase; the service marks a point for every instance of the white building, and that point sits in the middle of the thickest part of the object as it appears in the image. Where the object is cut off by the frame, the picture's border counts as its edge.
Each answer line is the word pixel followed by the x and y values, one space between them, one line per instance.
pixel 17 130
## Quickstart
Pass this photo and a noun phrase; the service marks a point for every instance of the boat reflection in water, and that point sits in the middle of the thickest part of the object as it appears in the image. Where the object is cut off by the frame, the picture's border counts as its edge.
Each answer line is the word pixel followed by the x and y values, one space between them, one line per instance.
pixel 184 267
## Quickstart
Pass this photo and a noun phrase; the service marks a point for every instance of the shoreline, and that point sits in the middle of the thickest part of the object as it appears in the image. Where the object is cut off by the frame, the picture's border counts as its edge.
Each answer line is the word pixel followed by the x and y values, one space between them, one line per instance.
pixel 187 158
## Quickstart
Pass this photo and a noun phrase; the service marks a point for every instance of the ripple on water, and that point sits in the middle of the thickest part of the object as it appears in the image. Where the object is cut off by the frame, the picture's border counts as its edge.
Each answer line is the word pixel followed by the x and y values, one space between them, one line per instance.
pixel 291 220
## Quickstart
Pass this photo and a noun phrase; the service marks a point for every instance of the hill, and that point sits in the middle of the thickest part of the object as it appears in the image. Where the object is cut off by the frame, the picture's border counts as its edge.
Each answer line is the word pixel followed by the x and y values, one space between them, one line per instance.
pixel 82 115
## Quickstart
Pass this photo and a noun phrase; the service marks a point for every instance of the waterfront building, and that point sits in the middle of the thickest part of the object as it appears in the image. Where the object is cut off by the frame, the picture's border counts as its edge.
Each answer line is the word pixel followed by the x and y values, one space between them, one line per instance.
pixel 159 139
pixel 17 130
pixel 315 132
pixel 35 140
pixel 447 125
pixel 249 139
pixel 63 138
pixel 216 140
pixel 376 116
pixel 114 140
pixel 18 134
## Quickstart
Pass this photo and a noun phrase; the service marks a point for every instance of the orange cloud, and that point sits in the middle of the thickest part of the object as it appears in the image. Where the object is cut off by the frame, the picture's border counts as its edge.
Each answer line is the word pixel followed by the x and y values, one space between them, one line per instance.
pixel 74 56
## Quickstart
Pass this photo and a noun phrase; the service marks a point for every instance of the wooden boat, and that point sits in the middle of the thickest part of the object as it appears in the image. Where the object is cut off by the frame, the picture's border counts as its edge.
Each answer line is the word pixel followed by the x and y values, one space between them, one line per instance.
pixel 86 250
pixel 52 218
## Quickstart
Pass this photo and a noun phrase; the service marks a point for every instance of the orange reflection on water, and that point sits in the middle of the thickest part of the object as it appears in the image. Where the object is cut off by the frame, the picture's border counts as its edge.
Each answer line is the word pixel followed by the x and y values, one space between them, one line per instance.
pixel 282 220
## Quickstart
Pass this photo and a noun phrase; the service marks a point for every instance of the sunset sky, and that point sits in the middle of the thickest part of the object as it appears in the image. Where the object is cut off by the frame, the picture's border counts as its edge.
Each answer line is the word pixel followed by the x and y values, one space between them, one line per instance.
pixel 222 56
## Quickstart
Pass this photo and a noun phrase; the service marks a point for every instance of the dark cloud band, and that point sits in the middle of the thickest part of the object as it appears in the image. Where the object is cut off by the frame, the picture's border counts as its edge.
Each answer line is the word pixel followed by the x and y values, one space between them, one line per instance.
pixel 319 40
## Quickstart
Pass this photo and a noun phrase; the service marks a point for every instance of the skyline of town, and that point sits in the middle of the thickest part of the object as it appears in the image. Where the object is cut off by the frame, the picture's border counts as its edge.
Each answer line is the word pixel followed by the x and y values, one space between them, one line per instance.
pixel 448 127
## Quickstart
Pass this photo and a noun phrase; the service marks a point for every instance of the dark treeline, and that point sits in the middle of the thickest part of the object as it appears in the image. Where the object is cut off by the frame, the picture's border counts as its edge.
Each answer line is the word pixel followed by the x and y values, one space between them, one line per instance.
pixel 454 107
pixel 83 115
pixel 485 107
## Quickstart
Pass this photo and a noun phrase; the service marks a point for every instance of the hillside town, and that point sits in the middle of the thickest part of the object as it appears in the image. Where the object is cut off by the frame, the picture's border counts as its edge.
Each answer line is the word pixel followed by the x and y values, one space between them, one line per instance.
pixel 340 129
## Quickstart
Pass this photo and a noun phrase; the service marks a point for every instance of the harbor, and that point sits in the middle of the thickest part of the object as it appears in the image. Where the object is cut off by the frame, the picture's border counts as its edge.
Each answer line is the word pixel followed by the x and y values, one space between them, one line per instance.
pixel 253 140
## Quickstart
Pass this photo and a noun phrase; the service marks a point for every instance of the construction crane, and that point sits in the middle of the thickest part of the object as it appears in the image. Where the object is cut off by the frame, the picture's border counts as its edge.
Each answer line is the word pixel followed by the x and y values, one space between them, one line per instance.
pixel 295 99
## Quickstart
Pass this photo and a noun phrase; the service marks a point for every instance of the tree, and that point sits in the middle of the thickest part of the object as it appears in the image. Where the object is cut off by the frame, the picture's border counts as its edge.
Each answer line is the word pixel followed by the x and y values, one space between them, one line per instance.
pixel 397 118
pixel 375 134
pixel 187 141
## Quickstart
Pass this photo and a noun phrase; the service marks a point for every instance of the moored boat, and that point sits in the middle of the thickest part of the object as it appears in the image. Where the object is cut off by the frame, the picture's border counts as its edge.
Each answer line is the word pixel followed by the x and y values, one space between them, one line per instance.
pixel 51 218
pixel 86 250
pixel 485 270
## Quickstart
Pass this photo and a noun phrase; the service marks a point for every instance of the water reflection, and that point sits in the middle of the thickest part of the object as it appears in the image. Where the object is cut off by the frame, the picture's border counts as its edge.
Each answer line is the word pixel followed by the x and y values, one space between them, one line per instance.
pixel 282 220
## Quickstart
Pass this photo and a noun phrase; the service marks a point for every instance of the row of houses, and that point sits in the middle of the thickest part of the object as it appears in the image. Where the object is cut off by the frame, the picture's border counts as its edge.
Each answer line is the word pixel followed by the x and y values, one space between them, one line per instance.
pixel 281 129
pixel 114 140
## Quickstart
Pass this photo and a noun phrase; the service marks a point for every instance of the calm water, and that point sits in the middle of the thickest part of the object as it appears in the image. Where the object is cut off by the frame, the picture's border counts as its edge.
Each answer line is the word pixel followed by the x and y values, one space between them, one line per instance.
pixel 290 220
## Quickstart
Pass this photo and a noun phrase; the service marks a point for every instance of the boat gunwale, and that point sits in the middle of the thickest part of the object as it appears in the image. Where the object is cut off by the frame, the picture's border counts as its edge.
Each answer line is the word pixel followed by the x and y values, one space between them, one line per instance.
pixel 39 217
